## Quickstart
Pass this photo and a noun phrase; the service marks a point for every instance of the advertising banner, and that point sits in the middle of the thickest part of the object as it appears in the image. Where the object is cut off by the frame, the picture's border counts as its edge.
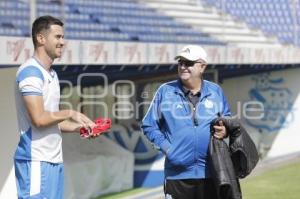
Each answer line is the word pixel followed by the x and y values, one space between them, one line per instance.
pixel 15 50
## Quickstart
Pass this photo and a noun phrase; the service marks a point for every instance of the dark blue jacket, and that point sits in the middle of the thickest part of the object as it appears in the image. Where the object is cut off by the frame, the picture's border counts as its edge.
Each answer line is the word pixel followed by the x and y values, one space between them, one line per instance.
pixel 168 124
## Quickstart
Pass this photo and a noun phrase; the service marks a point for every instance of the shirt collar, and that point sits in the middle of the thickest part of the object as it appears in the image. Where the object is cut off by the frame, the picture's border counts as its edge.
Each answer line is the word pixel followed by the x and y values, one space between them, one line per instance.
pixel 50 71
pixel 183 91
pixel 186 91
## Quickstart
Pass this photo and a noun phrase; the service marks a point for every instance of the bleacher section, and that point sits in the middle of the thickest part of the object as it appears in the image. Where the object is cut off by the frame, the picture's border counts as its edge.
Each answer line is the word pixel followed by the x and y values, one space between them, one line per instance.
pixel 273 17
pixel 14 18
pixel 208 19
pixel 108 20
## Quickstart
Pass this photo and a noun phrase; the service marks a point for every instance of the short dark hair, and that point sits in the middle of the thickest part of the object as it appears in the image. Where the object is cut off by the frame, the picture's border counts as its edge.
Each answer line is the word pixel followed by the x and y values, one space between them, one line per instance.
pixel 43 23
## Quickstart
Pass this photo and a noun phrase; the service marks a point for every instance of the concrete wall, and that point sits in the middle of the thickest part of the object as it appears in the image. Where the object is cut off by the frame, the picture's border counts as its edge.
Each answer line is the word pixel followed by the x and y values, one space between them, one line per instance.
pixel 276 131
pixel 9 134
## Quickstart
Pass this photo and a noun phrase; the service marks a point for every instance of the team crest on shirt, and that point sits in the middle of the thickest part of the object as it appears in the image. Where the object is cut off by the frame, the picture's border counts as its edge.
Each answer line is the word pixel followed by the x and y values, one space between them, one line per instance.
pixel 208 103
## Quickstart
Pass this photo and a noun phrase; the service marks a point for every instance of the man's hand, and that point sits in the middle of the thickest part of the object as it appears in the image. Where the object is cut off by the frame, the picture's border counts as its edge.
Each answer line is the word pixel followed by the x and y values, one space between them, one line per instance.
pixel 102 125
pixel 83 120
pixel 220 130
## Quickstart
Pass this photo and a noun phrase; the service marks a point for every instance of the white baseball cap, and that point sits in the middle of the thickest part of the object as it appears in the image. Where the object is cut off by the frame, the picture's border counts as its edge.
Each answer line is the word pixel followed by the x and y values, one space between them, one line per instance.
pixel 192 53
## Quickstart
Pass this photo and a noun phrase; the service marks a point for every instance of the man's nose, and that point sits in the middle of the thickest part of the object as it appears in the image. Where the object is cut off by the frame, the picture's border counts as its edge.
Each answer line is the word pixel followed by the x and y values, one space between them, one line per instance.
pixel 183 65
pixel 62 41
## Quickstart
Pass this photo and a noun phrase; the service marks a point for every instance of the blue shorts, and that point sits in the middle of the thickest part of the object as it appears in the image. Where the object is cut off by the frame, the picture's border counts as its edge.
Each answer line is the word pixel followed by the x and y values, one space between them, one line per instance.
pixel 39 180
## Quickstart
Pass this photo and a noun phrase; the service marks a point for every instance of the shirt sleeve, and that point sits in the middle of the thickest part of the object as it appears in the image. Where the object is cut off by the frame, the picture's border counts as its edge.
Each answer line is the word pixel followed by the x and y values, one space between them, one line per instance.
pixel 151 126
pixel 30 81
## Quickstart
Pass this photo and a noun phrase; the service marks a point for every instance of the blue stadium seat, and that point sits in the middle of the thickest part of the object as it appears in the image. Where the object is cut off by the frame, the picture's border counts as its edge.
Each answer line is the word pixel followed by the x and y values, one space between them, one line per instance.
pixel 111 20
pixel 274 17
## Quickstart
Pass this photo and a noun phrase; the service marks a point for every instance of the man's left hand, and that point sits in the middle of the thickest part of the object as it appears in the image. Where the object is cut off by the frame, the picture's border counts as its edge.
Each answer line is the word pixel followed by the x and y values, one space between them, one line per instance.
pixel 220 130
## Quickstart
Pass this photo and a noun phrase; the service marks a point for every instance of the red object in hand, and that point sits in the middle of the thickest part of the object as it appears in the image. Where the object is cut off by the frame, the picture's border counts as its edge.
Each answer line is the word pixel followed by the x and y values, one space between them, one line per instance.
pixel 102 125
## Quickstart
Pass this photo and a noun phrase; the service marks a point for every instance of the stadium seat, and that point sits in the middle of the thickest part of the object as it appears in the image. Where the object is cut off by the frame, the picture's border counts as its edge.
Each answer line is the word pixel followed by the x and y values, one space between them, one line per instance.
pixel 274 17
pixel 111 20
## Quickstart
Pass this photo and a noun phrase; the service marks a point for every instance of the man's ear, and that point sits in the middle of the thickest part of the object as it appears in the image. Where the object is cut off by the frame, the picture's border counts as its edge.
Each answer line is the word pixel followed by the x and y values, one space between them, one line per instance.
pixel 40 38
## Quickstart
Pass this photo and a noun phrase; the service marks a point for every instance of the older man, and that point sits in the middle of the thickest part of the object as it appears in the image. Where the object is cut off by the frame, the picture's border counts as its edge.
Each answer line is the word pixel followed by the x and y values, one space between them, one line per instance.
pixel 178 123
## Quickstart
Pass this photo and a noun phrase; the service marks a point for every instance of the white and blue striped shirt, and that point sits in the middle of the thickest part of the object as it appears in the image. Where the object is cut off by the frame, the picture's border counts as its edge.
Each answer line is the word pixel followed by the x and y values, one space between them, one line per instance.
pixel 37 144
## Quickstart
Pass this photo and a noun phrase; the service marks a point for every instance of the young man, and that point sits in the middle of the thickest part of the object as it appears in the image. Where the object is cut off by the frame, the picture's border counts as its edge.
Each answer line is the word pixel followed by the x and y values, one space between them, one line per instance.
pixel 178 123
pixel 38 157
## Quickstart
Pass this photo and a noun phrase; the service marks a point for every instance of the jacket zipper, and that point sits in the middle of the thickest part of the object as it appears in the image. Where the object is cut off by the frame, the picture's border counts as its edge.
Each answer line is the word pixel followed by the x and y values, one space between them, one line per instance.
pixel 195 122
pixel 193 109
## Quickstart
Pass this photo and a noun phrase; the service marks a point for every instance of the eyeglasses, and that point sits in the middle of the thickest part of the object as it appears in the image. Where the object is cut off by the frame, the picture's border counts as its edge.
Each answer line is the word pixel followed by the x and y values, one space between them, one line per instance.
pixel 188 63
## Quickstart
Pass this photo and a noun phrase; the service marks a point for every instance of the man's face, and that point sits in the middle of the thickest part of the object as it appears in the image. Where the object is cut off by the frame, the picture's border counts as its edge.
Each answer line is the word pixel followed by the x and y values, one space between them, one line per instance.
pixel 54 41
pixel 188 70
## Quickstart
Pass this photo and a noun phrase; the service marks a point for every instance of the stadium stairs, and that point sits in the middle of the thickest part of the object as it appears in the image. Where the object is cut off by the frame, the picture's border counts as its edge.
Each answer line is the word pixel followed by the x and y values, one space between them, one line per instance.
pixel 219 25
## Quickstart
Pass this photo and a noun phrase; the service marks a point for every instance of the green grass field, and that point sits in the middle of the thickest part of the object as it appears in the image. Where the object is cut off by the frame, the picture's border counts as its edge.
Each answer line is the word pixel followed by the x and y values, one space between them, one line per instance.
pixel 279 183
pixel 122 194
